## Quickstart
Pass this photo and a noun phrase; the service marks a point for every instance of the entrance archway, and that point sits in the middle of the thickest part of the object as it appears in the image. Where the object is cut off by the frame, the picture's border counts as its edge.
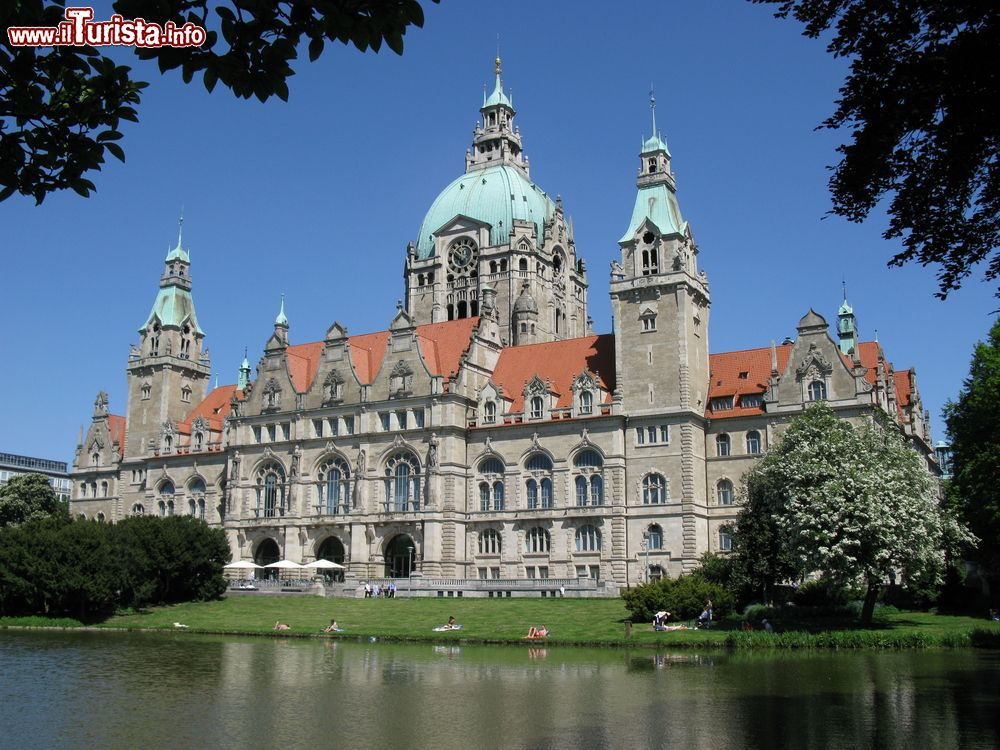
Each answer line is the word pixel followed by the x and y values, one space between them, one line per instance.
pixel 400 556
pixel 333 550
pixel 267 552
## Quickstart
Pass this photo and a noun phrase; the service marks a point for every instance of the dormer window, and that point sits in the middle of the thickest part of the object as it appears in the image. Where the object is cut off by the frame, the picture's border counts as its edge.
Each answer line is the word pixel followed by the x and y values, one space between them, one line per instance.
pixel 490 412
pixel 537 407
pixel 817 391
pixel 586 402
pixel 722 403
pixel 751 400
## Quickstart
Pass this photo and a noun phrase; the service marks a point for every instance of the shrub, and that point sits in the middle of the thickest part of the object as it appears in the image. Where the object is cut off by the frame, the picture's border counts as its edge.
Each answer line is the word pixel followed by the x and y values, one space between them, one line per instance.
pixel 821 592
pixel 683 597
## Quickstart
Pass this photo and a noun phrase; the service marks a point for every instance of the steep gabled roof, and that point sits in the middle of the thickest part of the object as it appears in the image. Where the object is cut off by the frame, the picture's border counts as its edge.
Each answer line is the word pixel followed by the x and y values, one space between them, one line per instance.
pixel 116 426
pixel 904 390
pixel 557 362
pixel 214 408
pixel 303 362
pixel 367 353
pixel 443 344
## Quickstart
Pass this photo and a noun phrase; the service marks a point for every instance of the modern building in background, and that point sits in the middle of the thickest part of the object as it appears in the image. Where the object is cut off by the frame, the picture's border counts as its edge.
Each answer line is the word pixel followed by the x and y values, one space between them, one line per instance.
pixel 57 471
pixel 488 432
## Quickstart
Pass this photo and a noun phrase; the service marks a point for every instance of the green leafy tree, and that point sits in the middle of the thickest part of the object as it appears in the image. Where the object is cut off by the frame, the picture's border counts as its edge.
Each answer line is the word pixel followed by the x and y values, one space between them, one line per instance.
pixel 61 107
pixel 922 104
pixel 974 426
pixel 28 496
pixel 684 597
pixel 854 504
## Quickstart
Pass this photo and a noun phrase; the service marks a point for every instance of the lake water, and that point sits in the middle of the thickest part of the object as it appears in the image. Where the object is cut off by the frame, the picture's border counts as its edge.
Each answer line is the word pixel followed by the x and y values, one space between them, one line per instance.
pixel 179 691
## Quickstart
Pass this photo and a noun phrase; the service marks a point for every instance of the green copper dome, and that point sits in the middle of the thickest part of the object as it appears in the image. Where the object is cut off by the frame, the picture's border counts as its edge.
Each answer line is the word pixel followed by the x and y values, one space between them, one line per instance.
pixel 654 143
pixel 495 196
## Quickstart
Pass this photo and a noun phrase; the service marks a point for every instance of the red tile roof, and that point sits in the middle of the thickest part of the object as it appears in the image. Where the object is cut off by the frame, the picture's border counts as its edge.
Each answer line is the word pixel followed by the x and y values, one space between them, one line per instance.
pixel 367 353
pixel 558 362
pixel 214 408
pixel 443 344
pixel 116 425
pixel 904 390
pixel 725 369
pixel 303 362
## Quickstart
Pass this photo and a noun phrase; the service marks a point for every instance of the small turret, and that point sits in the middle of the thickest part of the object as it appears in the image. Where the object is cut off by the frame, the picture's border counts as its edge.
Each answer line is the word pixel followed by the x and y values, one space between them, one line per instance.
pixel 847 326
pixel 244 378
pixel 524 318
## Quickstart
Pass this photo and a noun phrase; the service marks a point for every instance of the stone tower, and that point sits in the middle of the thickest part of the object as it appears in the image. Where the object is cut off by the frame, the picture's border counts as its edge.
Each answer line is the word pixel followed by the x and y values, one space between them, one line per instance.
pixel 494 226
pixel 168 373
pixel 660 303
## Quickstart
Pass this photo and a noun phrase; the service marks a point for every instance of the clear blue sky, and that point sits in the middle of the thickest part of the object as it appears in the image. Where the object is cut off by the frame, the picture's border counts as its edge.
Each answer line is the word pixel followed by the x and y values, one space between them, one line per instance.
pixel 317 198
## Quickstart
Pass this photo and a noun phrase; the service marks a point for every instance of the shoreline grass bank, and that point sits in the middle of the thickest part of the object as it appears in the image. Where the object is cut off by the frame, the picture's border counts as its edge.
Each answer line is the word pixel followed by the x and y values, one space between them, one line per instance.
pixel 572 622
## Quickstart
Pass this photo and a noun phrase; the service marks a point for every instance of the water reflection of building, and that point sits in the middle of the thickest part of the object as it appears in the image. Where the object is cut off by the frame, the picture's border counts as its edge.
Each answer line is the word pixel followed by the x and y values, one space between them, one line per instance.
pixel 488 432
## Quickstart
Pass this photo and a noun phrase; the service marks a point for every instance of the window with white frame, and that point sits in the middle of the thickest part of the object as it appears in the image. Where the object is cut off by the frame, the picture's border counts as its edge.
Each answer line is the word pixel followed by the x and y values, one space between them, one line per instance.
pixel 724 490
pixel 751 400
pixel 539 483
pixel 489 542
pixel 753 442
pixel 654 537
pixel 537 407
pixel 588 539
pixel 723 445
pixel 725 541
pixel 537 539
pixel 491 488
pixel 586 402
pixel 817 391
pixel 654 434
pixel 490 412
pixel 722 403
pixel 654 489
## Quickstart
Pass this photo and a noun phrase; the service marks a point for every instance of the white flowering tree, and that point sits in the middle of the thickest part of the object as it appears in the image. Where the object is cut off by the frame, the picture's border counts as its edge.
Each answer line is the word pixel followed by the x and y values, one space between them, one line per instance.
pixel 854 503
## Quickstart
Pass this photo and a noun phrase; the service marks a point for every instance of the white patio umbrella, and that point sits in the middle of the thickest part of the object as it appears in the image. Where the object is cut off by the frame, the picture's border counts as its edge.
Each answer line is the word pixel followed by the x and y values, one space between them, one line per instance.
pixel 324 565
pixel 285 565
pixel 242 565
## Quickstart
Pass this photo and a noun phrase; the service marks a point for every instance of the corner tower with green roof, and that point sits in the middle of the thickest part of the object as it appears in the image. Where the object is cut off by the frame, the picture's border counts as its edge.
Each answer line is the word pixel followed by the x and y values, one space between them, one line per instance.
pixel 168 372
pixel 494 226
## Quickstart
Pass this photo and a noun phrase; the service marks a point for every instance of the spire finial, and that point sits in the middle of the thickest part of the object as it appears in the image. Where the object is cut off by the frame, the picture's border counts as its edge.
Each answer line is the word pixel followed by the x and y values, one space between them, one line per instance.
pixel 281 320
pixel 180 227
pixel 843 283
pixel 498 55
pixel 652 108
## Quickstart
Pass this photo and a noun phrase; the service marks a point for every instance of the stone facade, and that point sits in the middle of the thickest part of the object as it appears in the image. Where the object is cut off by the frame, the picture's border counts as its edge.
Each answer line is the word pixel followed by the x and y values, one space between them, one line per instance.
pixel 487 433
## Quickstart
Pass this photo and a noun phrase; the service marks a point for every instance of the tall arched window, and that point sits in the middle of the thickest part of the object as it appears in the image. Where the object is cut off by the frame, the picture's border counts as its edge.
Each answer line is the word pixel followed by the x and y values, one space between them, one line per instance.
pixel 532 488
pixel 654 489
pixel 537 540
pixel 586 402
pixel 753 442
pixel 539 484
pixel 197 486
pixel 402 482
pixel 654 537
pixel 490 412
pixel 333 486
pixel 491 490
pixel 723 445
pixel 270 490
pixel 546 485
pixel 589 481
pixel 817 391
pixel 588 539
pixel 489 542
pixel 725 492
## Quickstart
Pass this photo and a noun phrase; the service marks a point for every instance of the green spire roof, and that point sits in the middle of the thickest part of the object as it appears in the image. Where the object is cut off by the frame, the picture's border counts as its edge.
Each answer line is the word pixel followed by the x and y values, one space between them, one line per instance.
pixel 659 205
pixel 179 253
pixel 173 306
pixel 281 320
pixel 654 142
pixel 498 96
pixel 244 378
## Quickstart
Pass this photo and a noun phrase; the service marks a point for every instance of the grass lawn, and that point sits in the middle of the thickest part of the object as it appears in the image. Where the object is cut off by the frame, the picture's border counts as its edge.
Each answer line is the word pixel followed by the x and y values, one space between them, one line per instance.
pixel 570 621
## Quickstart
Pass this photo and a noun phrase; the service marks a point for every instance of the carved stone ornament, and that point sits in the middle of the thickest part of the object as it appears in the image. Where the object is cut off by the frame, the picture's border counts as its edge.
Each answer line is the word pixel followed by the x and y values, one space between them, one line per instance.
pixel 536 387
pixel 585 437
pixel 401 378
pixel 272 395
pixel 534 441
pixel 584 382
pixel 268 453
pixel 814 359
pixel 489 444
pixel 333 387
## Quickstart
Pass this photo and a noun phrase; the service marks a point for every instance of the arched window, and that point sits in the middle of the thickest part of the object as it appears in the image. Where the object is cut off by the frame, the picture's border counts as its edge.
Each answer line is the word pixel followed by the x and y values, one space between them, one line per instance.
pixel 201 508
pixel 402 482
pixel 333 486
pixel 586 402
pixel 199 441
pixel 654 489
pixel 197 486
pixel 167 488
pixel 490 412
pixel 162 507
pixel 589 482
pixel 725 542
pixel 192 508
pixel 138 510
pixel 817 391
pixel 100 518
pixel 532 488
pixel 546 493
pixel 104 489
pixel 753 442
pixel 537 540
pixel 722 445
pixel 484 496
pixel 270 490
pixel 725 492
pixel 654 537
pixel 539 462
pixel 491 489
pixel 489 542
pixel 95 459
pixel 498 499
pixel 537 407
pixel 588 539
pixel 491 465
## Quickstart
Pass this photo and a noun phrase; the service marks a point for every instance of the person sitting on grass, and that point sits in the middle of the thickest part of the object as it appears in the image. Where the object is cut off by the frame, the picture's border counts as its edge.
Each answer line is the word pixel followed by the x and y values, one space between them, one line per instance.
pixel 452 625
pixel 533 632
pixel 279 625
pixel 333 628
pixel 660 620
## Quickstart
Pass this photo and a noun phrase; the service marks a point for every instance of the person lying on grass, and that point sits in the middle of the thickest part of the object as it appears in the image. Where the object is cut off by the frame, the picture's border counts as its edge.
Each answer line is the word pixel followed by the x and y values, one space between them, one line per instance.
pixel 279 625
pixel 533 632
pixel 333 627
pixel 452 625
